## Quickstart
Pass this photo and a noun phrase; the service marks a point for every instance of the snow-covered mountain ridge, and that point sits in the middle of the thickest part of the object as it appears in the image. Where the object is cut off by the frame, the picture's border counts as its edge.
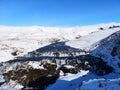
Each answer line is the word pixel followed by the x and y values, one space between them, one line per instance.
pixel 59 54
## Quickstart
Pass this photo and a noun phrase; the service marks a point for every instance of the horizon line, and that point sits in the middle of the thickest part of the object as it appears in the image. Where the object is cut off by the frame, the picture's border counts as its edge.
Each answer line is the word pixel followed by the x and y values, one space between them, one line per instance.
pixel 59 26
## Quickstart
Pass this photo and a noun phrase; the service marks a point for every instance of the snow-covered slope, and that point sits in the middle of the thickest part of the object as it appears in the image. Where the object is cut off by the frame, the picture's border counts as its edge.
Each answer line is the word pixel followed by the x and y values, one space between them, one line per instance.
pixel 26 39
pixel 41 44
pixel 109 50
pixel 87 81
pixel 88 40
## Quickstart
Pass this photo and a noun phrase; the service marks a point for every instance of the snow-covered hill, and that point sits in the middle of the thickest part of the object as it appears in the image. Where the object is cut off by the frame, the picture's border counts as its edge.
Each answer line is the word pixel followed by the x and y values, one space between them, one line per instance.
pixel 107 49
pixel 77 56
pixel 26 39
pixel 87 41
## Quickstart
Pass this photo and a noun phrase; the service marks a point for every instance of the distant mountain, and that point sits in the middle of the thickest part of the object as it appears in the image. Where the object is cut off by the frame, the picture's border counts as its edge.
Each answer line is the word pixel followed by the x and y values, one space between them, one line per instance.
pixel 13 40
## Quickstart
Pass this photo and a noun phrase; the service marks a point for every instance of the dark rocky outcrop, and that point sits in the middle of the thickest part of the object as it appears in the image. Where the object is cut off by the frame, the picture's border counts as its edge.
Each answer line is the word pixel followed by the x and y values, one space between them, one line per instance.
pixel 41 78
pixel 38 78
pixel 101 68
pixel 71 69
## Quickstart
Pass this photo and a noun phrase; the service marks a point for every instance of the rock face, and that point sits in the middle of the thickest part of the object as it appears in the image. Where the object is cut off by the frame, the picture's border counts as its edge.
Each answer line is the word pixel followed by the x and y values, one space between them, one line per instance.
pixel 40 73
pixel 68 69
pixel 31 77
